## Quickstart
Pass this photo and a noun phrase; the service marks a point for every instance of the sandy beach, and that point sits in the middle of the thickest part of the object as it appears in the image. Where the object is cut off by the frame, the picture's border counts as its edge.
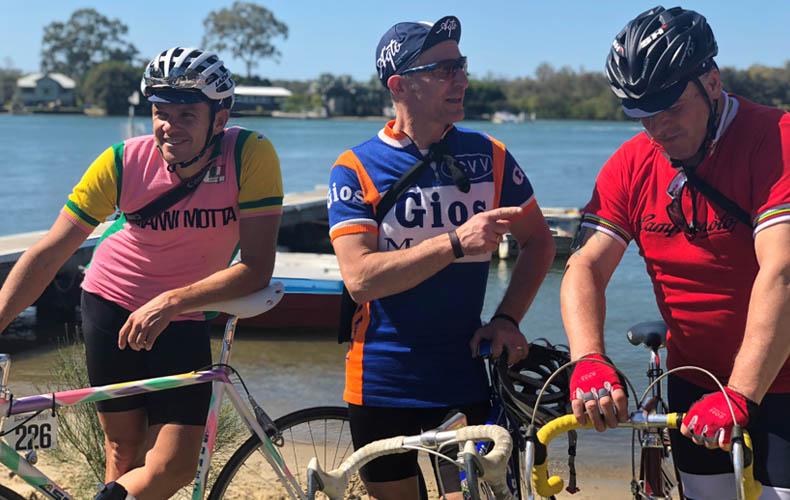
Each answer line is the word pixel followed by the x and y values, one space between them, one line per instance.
pixel 609 485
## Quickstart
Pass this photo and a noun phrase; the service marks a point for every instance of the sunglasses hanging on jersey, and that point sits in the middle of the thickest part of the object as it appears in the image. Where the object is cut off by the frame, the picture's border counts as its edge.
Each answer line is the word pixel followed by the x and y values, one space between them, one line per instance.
pixel 675 208
pixel 440 151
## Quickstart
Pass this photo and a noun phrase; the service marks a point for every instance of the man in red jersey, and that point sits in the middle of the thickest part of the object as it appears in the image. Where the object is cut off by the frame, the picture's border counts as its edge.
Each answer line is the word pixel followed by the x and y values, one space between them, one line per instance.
pixel 705 193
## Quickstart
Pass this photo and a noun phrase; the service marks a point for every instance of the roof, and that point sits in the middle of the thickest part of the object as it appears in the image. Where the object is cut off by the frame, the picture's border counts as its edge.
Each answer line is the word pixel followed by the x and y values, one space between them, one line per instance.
pixel 30 81
pixel 263 91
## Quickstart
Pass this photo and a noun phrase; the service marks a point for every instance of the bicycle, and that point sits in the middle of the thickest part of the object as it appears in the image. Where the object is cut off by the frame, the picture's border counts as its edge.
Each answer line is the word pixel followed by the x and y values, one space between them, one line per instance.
pixel 514 402
pixel 321 431
pixel 650 424
pixel 485 472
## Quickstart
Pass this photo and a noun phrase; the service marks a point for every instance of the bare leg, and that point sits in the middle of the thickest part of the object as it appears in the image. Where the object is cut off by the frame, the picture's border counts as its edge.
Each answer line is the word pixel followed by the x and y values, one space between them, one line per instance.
pixel 124 441
pixel 169 465
pixel 403 489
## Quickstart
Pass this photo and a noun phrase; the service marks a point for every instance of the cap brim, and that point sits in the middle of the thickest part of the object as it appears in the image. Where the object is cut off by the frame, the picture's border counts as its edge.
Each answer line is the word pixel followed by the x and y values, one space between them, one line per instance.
pixel 654 103
pixel 446 28
pixel 176 97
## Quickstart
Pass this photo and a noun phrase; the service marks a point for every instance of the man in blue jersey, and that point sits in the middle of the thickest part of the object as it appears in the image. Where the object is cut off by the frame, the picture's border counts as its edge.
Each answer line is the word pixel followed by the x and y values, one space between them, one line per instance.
pixel 420 276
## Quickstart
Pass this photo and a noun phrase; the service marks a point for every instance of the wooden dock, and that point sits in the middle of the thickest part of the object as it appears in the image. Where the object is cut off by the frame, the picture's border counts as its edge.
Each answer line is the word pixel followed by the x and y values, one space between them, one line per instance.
pixel 298 208
pixel 304 228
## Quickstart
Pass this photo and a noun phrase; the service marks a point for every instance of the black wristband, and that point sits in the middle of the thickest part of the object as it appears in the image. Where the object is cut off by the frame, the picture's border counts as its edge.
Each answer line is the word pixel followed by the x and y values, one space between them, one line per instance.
pixel 458 250
pixel 506 317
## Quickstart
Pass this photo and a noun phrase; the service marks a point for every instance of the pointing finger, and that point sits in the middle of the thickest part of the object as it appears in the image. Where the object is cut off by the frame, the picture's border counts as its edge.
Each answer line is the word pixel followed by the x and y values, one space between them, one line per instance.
pixel 505 213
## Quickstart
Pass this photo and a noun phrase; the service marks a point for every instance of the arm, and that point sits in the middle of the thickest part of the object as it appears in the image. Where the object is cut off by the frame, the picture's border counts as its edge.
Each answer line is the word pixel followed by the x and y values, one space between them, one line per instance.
pixel 37 267
pixel 583 304
pixel 583 290
pixel 765 347
pixel 258 238
pixel 532 264
pixel 766 342
pixel 370 274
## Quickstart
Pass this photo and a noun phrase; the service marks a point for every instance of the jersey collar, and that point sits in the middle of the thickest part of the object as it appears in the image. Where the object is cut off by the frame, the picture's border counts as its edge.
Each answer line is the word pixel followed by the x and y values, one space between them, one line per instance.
pixel 400 140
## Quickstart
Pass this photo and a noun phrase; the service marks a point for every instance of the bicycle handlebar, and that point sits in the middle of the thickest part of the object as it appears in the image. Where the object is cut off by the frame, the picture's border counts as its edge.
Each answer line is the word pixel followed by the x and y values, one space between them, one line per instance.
pixel 493 465
pixel 548 486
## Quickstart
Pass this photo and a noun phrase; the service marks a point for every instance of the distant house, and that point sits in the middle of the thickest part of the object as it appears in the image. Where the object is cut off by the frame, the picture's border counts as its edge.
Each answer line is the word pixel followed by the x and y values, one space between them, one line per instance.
pixel 50 88
pixel 265 98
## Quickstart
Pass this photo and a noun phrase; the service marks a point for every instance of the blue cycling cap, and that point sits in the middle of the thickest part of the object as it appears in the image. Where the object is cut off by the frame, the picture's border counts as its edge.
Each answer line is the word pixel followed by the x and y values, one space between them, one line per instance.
pixel 402 44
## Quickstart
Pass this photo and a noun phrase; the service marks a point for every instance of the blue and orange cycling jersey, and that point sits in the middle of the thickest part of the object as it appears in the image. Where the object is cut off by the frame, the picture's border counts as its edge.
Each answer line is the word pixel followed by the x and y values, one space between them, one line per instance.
pixel 411 349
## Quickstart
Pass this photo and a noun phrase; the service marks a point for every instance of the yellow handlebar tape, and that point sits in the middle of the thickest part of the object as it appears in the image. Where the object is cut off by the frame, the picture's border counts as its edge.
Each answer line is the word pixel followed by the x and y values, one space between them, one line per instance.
pixel 548 486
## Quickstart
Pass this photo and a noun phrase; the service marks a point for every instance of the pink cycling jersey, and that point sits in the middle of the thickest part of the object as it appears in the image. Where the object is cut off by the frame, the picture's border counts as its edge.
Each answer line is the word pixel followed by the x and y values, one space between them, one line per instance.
pixel 189 241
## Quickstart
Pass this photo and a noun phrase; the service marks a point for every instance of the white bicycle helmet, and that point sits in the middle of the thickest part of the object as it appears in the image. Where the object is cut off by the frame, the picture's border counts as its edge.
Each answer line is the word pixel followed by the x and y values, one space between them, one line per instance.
pixel 193 74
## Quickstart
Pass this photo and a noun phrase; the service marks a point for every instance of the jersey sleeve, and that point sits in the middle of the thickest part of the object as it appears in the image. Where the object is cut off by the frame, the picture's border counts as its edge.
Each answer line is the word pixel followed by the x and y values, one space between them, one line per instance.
pixel 607 211
pixel 260 181
pixel 351 198
pixel 771 177
pixel 95 197
pixel 516 189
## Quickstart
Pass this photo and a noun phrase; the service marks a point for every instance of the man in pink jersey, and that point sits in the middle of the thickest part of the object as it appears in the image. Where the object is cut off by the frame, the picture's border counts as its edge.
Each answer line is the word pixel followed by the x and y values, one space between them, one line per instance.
pixel 164 255
pixel 705 194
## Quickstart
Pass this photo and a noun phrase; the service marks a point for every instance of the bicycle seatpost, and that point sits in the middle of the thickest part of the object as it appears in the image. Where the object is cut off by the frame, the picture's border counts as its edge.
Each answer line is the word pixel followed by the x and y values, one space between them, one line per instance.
pixel 5 368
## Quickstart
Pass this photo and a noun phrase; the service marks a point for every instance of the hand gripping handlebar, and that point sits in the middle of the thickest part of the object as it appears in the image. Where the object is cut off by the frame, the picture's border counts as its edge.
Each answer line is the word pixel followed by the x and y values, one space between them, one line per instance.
pixel 545 485
pixel 492 466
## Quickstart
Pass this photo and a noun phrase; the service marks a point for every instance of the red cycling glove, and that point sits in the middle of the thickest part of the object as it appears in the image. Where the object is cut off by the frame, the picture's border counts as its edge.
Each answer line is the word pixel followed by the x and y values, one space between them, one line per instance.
pixel 591 380
pixel 709 419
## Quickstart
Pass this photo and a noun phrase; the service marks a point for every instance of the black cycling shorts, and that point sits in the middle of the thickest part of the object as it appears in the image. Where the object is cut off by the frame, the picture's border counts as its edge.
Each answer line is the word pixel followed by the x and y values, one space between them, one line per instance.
pixel 182 347
pixel 370 423
pixel 770 434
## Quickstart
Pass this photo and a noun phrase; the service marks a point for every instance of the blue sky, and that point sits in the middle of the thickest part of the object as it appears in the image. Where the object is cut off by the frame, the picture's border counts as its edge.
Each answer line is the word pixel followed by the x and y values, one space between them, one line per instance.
pixel 508 38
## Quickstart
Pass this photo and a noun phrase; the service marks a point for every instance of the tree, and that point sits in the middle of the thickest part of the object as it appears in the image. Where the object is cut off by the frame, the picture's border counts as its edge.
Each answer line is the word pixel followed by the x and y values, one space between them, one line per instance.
pixel 8 77
pixel 483 98
pixel 247 30
pixel 109 85
pixel 85 40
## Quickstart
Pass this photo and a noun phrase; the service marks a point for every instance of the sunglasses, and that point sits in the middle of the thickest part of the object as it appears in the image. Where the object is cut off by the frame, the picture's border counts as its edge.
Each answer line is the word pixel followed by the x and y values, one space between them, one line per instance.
pixel 446 69
pixel 178 79
pixel 675 207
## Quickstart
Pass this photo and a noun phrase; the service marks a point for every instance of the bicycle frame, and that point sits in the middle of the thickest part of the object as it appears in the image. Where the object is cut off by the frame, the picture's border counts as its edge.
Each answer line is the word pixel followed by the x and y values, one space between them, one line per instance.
pixel 255 420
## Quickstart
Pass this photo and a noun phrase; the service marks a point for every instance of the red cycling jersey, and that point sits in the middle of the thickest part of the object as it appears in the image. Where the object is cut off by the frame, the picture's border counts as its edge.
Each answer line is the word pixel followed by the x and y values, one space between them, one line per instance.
pixel 703 284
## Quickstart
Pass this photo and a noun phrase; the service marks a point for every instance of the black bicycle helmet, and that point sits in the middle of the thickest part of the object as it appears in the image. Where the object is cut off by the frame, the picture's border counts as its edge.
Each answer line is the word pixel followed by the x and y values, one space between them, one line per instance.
pixel 519 385
pixel 655 56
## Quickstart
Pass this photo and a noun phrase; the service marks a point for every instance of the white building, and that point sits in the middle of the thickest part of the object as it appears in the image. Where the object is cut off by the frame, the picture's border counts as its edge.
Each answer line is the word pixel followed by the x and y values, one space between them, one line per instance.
pixel 267 98
pixel 39 88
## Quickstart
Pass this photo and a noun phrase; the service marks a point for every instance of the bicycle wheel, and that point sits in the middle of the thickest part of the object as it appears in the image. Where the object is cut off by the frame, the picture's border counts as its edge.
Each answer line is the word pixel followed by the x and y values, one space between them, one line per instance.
pixel 321 432
pixel 6 494
pixel 656 473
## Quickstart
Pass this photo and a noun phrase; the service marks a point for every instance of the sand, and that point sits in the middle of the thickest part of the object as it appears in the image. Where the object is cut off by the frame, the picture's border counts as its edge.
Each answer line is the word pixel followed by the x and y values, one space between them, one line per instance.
pixel 609 484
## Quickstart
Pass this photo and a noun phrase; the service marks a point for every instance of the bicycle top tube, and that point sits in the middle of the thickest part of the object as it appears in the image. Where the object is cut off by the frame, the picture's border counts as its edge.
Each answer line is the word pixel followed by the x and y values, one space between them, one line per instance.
pixel 242 307
pixel 111 391
pixel 551 485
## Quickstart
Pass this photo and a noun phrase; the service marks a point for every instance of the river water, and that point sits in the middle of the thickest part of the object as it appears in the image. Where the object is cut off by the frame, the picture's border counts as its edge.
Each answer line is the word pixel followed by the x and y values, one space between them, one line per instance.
pixel 43 156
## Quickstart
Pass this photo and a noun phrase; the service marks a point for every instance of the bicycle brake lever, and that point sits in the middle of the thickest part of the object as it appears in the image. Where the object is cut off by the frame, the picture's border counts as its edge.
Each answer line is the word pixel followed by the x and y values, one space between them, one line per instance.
pixel 314 483
pixel 529 453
